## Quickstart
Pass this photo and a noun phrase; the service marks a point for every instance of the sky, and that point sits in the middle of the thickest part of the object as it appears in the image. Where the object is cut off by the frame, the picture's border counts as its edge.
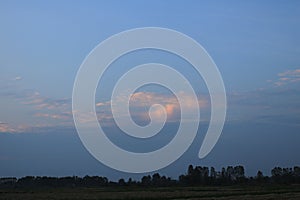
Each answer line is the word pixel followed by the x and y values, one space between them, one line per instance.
pixel 255 44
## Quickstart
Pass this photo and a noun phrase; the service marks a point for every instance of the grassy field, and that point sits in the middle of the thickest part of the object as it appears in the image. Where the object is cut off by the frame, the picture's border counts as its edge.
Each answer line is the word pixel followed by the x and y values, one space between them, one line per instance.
pixel 192 193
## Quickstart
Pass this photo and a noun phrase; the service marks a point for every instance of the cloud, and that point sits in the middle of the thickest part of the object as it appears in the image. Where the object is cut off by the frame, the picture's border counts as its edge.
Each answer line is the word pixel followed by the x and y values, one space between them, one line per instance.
pixel 274 104
pixel 140 103
pixel 5 128
pixel 20 128
pixel 289 76
pixel 34 98
pixel 40 110
pixel 40 102
pixel 169 103
pixel 59 116
pixel 145 100
pixel 103 104
pixel 17 78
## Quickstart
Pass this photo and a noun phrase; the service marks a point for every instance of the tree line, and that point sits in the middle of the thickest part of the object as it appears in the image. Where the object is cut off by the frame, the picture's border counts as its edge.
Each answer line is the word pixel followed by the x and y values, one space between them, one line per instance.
pixel 198 175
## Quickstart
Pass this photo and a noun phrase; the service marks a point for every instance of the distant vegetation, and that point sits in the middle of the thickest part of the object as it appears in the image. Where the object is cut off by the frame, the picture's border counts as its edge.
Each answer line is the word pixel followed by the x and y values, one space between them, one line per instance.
pixel 195 176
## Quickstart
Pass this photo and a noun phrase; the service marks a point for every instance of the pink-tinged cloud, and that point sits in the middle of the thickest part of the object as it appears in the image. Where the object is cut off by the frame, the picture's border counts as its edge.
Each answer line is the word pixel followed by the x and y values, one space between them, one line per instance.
pixel 42 108
pixel 295 72
pixel 61 116
pixel 5 128
pixel 170 108
pixel 40 102
pixel 103 104
pixel 289 76
pixel 140 103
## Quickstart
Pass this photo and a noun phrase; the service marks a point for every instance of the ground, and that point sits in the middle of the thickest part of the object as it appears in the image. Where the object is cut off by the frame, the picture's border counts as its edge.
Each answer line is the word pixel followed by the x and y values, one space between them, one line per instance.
pixel 191 193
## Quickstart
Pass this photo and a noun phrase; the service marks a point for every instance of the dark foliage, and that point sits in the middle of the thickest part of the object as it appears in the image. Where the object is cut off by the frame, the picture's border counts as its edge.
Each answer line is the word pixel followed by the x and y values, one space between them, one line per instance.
pixel 197 175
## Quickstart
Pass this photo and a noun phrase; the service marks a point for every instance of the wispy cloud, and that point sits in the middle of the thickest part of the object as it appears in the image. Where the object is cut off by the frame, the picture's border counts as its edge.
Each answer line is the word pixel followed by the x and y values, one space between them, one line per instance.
pixel 17 78
pixel 5 128
pixel 289 76
pixel 58 116
pixel 274 104
pixel 40 102
pixel 40 110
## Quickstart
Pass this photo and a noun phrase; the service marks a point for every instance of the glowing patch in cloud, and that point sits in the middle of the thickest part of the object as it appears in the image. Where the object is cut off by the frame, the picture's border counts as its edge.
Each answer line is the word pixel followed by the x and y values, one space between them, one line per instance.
pixel 141 102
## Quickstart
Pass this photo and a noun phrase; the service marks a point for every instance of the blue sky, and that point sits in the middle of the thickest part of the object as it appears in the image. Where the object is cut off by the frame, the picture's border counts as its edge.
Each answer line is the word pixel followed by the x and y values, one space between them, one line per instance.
pixel 255 44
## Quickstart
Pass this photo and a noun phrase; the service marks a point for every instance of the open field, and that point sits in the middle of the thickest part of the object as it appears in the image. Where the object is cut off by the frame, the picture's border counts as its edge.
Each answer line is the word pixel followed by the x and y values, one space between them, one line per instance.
pixel 192 193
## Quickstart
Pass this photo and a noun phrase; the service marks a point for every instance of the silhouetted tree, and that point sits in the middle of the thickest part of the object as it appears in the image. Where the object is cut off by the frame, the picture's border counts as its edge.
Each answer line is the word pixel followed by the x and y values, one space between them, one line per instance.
pixel 146 180
pixel 121 182
pixel 156 179
pixel 259 176
pixel 197 175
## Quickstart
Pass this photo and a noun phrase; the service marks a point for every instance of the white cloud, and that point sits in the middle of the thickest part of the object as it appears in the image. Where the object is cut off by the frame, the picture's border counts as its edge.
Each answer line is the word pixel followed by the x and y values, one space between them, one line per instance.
pixel 17 78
